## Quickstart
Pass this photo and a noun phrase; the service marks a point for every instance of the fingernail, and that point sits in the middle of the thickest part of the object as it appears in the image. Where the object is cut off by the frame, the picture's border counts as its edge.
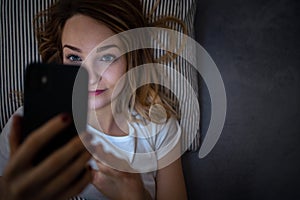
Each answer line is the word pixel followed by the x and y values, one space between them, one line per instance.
pixel 66 117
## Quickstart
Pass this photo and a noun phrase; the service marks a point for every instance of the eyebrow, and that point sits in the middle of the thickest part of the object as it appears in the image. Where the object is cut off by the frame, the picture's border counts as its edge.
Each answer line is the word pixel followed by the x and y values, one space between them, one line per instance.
pixel 72 48
pixel 107 47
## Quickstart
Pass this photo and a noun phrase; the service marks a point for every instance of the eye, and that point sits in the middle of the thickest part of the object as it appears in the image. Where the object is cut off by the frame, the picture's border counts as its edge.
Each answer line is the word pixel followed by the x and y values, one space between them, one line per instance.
pixel 108 58
pixel 74 58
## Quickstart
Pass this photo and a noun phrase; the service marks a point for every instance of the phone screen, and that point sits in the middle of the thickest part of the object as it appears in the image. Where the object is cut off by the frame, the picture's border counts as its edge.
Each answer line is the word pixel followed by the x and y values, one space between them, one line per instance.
pixel 51 89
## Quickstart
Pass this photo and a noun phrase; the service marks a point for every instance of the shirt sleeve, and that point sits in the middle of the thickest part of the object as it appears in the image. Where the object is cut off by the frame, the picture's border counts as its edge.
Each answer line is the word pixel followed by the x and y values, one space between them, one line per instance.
pixel 4 142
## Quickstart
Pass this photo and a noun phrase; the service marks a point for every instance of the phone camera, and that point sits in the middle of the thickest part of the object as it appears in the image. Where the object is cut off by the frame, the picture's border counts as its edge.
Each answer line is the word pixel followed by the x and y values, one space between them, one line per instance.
pixel 44 79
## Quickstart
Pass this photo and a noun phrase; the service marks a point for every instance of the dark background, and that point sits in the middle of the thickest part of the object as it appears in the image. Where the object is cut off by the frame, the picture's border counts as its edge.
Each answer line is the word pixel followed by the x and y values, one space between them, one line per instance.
pixel 255 45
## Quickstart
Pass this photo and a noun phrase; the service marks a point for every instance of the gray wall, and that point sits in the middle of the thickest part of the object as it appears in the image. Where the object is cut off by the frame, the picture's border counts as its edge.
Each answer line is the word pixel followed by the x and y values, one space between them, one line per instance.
pixel 255 44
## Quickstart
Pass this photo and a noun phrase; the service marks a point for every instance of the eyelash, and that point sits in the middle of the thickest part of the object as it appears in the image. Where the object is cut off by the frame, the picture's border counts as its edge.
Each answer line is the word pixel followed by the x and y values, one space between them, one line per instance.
pixel 112 58
pixel 76 58
pixel 69 57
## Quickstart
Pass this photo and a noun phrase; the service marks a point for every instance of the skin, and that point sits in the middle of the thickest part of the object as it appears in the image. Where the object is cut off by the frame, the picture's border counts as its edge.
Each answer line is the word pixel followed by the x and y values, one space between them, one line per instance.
pixel 170 181
pixel 77 43
pixel 80 35
pixel 56 174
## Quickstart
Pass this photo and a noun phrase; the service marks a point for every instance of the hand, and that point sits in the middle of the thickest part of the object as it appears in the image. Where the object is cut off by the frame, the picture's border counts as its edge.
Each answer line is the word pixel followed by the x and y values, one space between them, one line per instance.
pixel 61 175
pixel 115 184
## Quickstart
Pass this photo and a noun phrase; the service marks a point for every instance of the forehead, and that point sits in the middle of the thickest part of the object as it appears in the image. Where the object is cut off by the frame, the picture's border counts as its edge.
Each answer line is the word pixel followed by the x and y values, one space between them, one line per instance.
pixel 85 32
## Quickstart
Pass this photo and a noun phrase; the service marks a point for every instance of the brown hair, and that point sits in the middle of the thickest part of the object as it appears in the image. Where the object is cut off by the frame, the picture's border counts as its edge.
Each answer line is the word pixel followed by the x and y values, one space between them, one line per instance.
pixel 119 16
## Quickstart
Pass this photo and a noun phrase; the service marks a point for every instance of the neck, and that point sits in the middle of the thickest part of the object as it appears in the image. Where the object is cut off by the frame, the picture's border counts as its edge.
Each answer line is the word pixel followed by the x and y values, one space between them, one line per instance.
pixel 103 120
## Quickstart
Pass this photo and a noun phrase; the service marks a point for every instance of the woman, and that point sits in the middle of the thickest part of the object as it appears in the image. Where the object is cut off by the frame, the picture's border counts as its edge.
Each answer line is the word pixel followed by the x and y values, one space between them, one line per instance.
pixel 70 31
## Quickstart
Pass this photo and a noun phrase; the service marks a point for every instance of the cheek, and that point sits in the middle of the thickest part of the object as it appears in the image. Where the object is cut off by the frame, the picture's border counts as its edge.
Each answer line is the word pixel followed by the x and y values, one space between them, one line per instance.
pixel 115 72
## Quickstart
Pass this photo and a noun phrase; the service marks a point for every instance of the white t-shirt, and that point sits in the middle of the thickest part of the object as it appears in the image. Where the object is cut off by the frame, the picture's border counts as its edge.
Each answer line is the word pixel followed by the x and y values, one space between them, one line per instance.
pixel 142 149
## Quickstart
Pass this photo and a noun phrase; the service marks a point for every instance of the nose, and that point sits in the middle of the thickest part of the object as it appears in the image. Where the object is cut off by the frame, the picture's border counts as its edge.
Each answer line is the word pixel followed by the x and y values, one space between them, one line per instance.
pixel 94 76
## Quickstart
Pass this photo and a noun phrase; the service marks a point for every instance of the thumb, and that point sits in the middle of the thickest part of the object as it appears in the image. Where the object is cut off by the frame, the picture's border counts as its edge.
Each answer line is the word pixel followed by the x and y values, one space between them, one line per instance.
pixel 15 134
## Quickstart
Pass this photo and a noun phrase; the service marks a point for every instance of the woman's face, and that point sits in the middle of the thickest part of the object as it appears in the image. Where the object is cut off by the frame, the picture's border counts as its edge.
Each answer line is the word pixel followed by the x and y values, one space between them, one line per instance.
pixel 81 34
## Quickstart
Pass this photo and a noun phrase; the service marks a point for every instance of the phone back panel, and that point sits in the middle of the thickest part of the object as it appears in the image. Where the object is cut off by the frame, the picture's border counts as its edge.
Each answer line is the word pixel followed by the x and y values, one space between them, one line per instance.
pixel 51 89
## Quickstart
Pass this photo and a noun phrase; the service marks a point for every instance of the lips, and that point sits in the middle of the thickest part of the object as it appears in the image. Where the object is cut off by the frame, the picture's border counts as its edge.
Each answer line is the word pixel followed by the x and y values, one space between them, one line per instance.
pixel 96 92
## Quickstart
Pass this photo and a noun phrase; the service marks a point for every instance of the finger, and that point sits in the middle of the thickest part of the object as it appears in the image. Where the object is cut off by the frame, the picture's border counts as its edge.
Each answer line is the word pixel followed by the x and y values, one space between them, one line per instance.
pixel 58 160
pixel 23 157
pixel 63 180
pixel 99 179
pixel 78 186
pixel 57 183
pixel 87 139
pixel 47 131
pixel 111 160
pixel 107 170
pixel 15 135
pixel 41 136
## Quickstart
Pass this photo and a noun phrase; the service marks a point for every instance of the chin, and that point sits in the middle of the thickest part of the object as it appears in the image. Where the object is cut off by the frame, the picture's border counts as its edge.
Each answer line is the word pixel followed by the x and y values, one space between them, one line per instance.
pixel 96 105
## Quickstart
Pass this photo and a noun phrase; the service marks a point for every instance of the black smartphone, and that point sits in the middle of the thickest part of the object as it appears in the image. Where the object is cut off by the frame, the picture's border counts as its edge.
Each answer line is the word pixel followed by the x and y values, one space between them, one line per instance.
pixel 51 89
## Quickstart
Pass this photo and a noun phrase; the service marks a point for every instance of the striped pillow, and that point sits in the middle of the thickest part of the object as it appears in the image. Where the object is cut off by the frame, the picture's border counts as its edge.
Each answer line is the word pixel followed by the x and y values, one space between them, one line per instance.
pixel 18 48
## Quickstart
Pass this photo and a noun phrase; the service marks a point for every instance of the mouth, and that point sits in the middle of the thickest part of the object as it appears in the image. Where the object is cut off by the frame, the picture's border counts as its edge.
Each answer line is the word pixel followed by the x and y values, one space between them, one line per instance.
pixel 96 92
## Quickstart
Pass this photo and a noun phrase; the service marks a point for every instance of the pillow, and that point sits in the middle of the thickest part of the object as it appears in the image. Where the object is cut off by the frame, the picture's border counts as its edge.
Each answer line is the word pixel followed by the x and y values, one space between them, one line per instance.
pixel 185 11
pixel 18 48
